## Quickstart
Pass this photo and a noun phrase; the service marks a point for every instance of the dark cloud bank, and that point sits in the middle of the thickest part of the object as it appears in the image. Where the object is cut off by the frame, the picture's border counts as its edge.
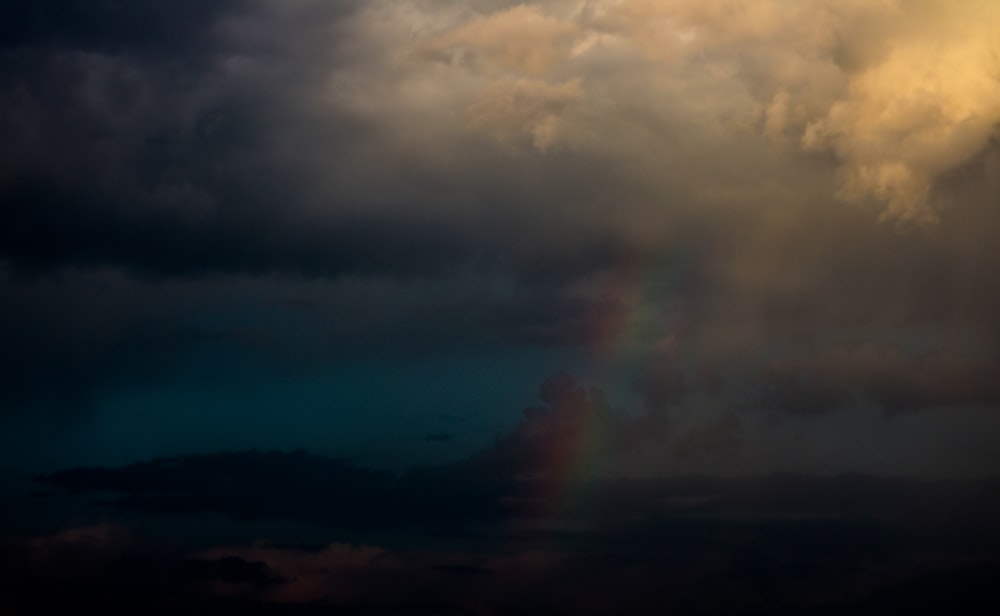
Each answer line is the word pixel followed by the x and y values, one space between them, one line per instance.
pixel 189 159
pixel 504 532
pixel 772 227
pixel 453 540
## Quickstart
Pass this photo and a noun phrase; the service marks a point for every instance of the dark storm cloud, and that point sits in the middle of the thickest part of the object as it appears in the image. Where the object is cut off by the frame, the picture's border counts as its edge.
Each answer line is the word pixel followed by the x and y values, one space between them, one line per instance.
pixel 105 568
pixel 560 451
pixel 219 140
pixel 39 236
pixel 330 138
pixel 122 153
pixel 893 380
pixel 724 205
pixel 254 485
pixel 576 427
pixel 181 31
pixel 785 540
pixel 104 25
pixel 93 329
pixel 504 479
pixel 116 158
pixel 321 138
pixel 661 383
pixel 483 489
pixel 495 175
pixel 608 578
pixel 722 437
pixel 66 336
pixel 764 570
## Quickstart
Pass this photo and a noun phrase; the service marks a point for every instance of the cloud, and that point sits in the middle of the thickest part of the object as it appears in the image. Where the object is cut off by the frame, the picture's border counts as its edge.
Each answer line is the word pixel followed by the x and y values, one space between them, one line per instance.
pixel 894 380
pixel 250 485
pixel 417 176
pixel 901 92
pixel 804 565
pixel 572 433
pixel 297 137
pixel 416 139
pixel 508 108
pixel 91 330
pixel 722 437
pixel 109 26
pixel 661 382
pixel 522 39
pixel 786 542
pixel 561 444
pixel 926 108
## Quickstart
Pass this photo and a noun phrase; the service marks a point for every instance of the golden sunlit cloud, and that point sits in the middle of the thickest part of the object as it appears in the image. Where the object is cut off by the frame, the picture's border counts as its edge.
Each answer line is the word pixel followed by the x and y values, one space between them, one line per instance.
pixel 900 92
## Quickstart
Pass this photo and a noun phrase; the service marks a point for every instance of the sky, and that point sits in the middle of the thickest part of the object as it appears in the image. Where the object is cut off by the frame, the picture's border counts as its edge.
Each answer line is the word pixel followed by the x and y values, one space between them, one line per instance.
pixel 536 247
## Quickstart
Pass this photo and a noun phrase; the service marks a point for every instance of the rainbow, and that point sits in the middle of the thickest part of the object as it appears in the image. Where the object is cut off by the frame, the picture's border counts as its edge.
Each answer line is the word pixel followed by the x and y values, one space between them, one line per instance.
pixel 629 324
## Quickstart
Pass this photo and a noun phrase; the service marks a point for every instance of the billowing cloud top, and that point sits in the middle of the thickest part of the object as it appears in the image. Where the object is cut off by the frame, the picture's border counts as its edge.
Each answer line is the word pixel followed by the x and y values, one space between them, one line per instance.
pixel 900 92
